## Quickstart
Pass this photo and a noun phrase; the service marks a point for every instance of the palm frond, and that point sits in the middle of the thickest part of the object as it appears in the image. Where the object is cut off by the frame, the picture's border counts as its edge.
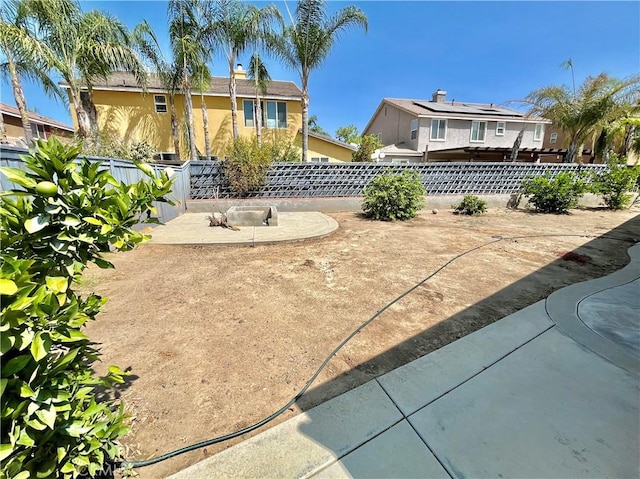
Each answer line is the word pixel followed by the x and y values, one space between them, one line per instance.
pixel 258 72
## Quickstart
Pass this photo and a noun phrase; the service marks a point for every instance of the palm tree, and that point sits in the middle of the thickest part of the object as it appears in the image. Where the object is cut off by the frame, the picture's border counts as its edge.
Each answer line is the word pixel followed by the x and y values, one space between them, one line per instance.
pixel 81 47
pixel 189 51
pixel 260 75
pixel 202 83
pixel 597 102
pixel 168 72
pixel 235 27
pixel 182 17
pixel 20 64
pixel 315 127
pixel 307 43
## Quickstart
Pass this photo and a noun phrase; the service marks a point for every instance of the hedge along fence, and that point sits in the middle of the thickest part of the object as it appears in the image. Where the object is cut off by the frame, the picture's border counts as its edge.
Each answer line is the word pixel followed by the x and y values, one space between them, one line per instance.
pixel 121 170
pixel 307 180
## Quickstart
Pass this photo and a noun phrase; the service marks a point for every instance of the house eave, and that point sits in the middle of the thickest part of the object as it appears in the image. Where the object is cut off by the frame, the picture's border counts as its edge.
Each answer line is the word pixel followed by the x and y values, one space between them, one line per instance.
pixel 511 119
pixel 330 140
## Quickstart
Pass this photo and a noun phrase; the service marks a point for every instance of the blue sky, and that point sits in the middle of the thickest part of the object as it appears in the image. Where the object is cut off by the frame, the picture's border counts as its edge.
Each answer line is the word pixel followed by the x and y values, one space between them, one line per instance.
pixel 489 52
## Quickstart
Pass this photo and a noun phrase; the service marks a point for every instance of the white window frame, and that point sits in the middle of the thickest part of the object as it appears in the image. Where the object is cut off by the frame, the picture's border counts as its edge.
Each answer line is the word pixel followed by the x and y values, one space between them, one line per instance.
pixel 249 122
pixel 538 132
pixel 504 128
pixel 273 123
pixel 413 135
pixel 320 159
pixel 160 101
pixel 444 136
pixel 553 138
pixel 484 137
pixel 38 130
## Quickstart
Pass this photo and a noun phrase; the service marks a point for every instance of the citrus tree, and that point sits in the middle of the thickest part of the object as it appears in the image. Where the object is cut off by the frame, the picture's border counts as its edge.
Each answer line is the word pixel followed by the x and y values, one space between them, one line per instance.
pixel 66 215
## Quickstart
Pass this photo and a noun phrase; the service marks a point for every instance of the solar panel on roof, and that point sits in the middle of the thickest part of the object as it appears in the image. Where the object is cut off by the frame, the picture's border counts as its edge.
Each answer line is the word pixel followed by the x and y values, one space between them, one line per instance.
pixel 465 109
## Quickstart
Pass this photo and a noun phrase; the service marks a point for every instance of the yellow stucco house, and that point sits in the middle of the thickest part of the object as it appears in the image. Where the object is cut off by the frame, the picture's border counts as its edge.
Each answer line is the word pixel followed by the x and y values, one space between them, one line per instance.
pixel 124 109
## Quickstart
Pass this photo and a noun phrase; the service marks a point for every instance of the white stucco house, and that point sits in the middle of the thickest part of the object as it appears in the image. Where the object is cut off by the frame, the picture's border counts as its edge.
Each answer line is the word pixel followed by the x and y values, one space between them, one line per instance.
pixel 448 130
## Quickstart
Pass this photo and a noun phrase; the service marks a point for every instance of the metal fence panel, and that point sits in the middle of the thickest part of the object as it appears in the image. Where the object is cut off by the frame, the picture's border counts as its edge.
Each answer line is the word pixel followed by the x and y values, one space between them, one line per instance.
pixel 121 170
pixel 290 180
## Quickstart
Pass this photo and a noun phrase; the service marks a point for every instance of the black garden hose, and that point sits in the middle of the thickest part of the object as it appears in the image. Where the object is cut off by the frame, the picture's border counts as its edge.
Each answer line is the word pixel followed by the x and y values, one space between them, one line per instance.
pixel 292 401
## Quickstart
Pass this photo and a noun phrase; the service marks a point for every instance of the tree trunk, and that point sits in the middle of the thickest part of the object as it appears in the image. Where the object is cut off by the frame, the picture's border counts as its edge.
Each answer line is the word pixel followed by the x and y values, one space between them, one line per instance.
pixel 90 107
pixel 258 118
pixel 174 128
pixel 305 121
pixel 2 132
pixel 84 125
pixel 193 154
pixel 234 102
pixel 628 139
pixel 516 147
pixel 21 103
pixel 205 123
pixel 572 152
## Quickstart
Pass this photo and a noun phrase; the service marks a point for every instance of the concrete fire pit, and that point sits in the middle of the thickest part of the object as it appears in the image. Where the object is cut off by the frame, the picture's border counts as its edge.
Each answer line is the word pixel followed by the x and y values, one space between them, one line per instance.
pixel 252 216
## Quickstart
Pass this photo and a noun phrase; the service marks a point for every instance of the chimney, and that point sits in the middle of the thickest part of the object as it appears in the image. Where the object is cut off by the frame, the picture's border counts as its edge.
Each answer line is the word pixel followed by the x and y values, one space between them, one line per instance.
pixel 239 72
pixel 439 96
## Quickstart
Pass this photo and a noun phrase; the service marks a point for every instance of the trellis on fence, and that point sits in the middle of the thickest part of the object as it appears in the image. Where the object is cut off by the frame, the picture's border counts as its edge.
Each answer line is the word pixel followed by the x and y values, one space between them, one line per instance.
pixel 289 180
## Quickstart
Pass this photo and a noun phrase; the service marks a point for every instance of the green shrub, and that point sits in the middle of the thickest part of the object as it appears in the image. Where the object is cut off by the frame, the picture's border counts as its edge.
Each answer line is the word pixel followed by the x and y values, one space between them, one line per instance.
pixel 282 149
pixel 392 196
pixel 108 145
pixel 53 423
pixel 555 195
pixel 246 164
pixel 615 183
pixel 368 144
pixel 470 205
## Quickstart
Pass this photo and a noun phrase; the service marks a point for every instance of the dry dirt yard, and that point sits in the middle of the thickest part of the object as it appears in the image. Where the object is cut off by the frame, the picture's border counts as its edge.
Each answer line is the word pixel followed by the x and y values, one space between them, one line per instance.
pixel 218 337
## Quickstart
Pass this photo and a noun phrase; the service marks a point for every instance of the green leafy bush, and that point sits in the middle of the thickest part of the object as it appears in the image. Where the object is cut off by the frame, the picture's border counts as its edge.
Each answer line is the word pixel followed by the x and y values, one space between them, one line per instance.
pixel 112 146
pixel 368 144
pixel 246 164
pixel 470 205
pixel 392 196
pixel 281 148
pixel 555 195
pixel 53 423
pixel 616 182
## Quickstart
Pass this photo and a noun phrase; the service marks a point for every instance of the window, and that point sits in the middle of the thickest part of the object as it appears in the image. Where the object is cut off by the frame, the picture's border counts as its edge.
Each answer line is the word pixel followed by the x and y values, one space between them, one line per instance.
pixel 160 102
pixel 500 127
pixel 38 131
pixel 414 129
pixel 553 138
pixel 478 131
pixel 247 106
pixel 538 132
pixel 276 114
pixel 438 129
pixel 322 159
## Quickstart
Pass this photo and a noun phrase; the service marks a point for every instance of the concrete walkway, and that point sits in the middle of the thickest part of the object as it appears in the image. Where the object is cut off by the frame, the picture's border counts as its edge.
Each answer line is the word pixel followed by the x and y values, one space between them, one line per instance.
pixel 194 229
pixel 550 391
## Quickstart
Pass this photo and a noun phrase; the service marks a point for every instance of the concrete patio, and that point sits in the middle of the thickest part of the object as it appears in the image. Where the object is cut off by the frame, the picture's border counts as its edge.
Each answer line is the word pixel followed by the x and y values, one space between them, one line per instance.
pixel 550 391
pixel 194 229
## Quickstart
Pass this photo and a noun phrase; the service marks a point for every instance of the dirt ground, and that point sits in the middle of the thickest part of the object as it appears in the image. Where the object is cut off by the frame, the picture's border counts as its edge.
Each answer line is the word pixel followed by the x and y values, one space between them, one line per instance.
pixel 218 337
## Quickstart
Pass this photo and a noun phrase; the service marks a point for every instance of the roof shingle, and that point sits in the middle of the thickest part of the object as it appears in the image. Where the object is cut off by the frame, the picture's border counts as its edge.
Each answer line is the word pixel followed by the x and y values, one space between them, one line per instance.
pixel 124 81
pixel 13 111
